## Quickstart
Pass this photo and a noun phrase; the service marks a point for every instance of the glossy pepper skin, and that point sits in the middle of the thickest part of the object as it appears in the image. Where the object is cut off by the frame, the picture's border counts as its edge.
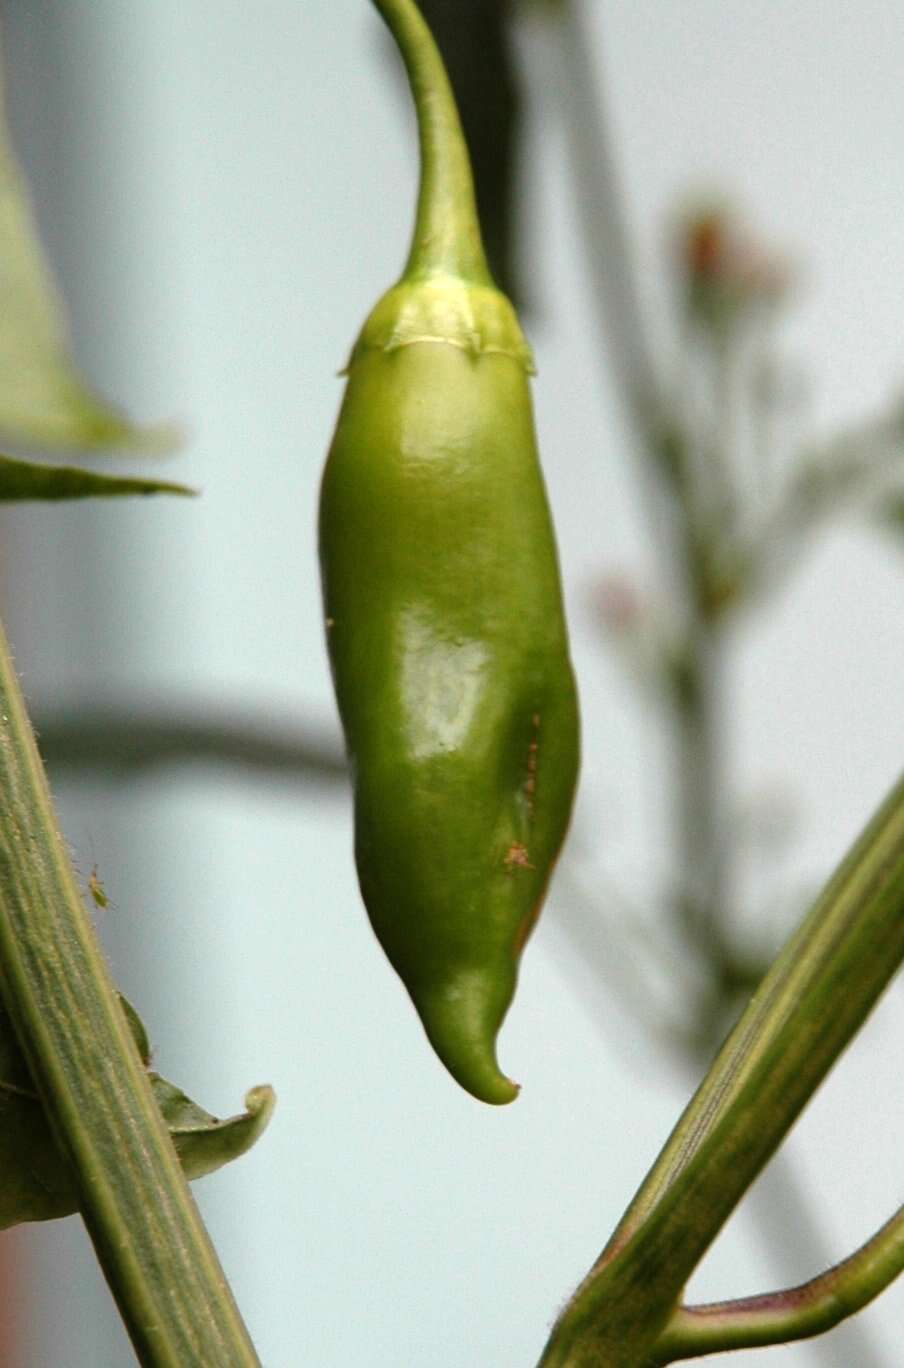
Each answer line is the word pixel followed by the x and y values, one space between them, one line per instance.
pixel 444 615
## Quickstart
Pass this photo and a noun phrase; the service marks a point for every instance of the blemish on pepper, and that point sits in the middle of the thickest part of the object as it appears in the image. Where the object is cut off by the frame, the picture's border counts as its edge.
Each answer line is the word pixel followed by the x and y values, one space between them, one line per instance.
pixel 516 857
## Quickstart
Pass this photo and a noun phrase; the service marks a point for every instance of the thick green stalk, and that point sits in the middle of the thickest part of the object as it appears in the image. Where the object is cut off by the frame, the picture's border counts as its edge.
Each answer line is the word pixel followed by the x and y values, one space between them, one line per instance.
pixel 811 1003
pixel 154 1250
pixel 447 237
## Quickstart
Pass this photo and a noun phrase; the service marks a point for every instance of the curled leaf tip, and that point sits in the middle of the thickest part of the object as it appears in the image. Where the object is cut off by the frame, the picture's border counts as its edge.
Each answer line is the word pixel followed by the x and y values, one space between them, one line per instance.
pixel 259 1103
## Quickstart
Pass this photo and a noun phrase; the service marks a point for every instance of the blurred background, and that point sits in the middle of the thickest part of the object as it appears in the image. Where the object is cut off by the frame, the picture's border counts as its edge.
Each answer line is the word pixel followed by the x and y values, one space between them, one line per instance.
pixel 223 192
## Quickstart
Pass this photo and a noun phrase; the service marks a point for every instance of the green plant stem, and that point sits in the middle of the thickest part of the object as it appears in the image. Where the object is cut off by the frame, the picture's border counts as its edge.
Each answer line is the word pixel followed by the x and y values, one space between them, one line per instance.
pixel 447 232
pixel 811 1003
pixel 794 1313
pixel 707 500
pixel 793 1230
pixel 149 1238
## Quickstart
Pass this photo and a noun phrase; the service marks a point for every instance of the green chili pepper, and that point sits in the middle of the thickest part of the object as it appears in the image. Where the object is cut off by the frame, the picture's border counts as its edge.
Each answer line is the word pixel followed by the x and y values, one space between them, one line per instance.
pixel 444 613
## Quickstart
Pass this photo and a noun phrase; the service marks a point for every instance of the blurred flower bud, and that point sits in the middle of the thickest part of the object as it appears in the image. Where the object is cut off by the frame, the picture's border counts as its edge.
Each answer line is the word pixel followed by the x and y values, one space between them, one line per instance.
pixel 618 603
pixel 725 272
pixel 705 244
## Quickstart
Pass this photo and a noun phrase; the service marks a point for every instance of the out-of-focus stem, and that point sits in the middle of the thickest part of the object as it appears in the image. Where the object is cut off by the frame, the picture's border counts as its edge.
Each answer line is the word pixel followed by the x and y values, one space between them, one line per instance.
pixel 602 219
pixel 117 740
pixel 699 782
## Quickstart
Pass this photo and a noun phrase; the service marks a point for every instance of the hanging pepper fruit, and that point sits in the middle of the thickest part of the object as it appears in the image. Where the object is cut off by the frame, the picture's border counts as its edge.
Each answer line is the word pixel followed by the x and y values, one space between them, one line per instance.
pixel 444 614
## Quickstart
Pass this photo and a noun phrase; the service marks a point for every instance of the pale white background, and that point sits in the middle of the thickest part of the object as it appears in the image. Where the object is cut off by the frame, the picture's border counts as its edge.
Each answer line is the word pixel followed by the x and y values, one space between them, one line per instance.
pixel 224 189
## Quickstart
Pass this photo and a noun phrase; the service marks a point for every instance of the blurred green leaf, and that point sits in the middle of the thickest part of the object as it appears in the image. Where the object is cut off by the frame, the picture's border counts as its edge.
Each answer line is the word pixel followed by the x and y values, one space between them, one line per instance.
pixel 25 480
pixel 891 512
pixel 43 400
pixel 36 1183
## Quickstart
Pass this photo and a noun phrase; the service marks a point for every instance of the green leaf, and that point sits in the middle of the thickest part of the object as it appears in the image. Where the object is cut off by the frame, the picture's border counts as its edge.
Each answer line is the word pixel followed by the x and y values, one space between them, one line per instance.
pixel 36 1182
pixel 203 1142
pixel 25 480
pixel 136 1026
pixel 43 400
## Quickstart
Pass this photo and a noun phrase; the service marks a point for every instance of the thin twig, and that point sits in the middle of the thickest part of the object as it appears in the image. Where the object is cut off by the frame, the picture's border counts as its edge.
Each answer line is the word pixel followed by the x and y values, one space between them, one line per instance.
pixel 794 1313
pixel 796 1240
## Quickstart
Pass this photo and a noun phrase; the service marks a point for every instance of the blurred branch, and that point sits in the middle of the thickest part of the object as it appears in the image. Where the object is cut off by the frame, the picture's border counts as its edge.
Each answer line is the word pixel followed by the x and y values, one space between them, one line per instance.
pixel 121 740
pixel 607 242
pixel 614 944
pixel 826 479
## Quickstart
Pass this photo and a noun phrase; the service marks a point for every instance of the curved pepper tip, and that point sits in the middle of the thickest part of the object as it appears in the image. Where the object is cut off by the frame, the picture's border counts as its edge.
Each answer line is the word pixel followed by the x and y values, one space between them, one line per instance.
pixel 505 1090
pixel 481 1076
pixel 461 1026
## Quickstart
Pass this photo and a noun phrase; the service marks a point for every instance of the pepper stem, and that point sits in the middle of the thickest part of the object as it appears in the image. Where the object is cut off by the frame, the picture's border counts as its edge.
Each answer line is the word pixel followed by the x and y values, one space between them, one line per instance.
pixel 446 237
